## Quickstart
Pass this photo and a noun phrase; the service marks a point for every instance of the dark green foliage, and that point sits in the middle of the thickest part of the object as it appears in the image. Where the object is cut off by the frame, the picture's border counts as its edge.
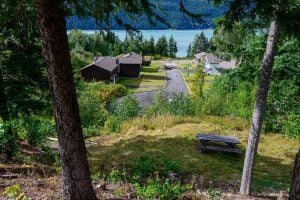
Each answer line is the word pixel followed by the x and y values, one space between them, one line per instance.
pixel 23 83
pixel 172 47
pixel 37 129
pixel 93 98
pixel 162 46
pixel 8 145
pixel 84 47
pixel 229 98
pixel 198 82
pixel 189 51
pixel 234 93
pixel 199 44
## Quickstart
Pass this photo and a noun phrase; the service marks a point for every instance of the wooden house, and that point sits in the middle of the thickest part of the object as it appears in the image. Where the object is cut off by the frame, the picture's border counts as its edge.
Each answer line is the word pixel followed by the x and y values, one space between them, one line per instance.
pixel 130 65
pixel 102 69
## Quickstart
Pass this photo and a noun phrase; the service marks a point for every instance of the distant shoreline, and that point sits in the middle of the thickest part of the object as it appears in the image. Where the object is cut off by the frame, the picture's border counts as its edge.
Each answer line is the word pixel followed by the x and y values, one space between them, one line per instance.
pixel 182 37
pixel 193 29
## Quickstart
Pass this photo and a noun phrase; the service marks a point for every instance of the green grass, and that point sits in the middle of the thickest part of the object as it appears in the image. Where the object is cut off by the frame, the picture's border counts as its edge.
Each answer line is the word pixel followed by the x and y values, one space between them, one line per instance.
pixel 173 139
pixel 185 65
pixel 208 81
pixel 152 78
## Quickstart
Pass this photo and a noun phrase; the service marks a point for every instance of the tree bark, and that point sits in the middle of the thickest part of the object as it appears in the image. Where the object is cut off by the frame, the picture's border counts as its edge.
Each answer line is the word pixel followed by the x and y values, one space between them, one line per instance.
pixel 76 174
pixel 295 185
pixel 257 116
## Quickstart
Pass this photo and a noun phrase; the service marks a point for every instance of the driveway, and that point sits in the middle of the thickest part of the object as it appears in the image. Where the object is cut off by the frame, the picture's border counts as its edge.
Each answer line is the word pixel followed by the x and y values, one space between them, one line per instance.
pixel 175 84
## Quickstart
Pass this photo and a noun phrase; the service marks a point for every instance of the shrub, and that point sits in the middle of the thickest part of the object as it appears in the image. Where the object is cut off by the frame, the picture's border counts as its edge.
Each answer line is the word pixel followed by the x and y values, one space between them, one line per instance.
pixel 105 92
pixel 127 108
pixel 291 126
pixel 37 129
pixel 115 176
pixel 227 98
pixel 92 112
pixel 174 104
pixel 155 188
pixel 7 138
pixel 112 91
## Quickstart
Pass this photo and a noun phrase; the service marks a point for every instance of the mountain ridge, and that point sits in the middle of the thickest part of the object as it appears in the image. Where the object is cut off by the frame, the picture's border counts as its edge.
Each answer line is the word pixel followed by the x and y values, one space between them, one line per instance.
pixel 177 19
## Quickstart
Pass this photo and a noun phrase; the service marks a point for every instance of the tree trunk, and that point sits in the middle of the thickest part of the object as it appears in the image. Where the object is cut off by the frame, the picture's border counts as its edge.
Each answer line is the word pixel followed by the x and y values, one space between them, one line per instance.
pixel 76 174
pixel 295 186
pixel 10 146
pixel 257 116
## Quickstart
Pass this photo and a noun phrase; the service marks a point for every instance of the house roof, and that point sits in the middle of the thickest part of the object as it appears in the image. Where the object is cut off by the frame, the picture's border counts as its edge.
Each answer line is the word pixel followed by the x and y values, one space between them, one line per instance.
pixel 228 64
pixel 107 63
pixel 212 59
pixel 200 55
pixel 130 58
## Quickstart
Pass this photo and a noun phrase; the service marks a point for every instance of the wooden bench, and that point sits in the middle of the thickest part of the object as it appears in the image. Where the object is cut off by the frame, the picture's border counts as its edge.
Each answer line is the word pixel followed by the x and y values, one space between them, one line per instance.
pixel 217 139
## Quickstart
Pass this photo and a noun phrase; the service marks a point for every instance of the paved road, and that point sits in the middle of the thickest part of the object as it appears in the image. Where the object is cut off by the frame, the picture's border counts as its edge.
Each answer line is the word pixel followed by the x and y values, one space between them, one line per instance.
pixel 175 84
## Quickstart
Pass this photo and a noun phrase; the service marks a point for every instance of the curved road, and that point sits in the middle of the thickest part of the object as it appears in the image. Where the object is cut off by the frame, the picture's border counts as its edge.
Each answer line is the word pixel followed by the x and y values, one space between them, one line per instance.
pixel 175 84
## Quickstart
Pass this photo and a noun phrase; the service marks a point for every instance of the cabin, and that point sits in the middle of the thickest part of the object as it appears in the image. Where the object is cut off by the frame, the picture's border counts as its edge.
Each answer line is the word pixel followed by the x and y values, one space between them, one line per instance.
pixel 199 57
pixel 102 69
pixel 130 65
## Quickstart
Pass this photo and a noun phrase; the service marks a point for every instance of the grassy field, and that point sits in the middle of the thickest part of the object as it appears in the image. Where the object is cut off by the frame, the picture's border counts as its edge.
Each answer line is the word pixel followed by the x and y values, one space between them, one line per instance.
pixel 170 141
pixel 152 78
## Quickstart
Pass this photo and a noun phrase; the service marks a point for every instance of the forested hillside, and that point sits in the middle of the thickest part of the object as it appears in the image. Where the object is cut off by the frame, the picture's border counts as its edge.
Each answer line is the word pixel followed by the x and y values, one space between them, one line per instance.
pixel 174 17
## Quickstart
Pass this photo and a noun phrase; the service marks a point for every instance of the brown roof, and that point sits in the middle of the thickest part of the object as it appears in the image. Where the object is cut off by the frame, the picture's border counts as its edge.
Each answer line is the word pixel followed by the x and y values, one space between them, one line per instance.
pixel 107 63
pixel 200 55
pixel 228 64
pixel 130 58
pixel 211 58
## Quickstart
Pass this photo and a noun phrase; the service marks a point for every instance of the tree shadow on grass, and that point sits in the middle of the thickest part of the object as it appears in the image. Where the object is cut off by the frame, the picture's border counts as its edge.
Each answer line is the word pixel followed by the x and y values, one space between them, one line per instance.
pixel 217 169
pixel 153 77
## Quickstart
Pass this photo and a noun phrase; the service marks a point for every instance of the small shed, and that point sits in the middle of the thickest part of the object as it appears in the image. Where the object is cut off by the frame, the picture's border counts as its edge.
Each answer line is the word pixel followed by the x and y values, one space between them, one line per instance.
pixel 102 69
pixel 130 65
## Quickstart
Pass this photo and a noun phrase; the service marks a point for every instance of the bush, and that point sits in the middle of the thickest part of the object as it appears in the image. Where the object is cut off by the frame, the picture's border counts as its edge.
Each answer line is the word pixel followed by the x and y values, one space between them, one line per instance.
pixel 37 129
pixel 155 188
pixel 175 104
pixel 92 112
pixel 126 108
pixel 121 110
pixel 112 91
pixel 105 92
pixel 227 98
pixel 7 139
pixel 291 126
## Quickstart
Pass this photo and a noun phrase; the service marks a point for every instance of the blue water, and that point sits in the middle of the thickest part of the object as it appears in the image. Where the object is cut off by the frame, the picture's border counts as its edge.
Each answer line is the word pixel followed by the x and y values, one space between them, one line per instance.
pixel 182 37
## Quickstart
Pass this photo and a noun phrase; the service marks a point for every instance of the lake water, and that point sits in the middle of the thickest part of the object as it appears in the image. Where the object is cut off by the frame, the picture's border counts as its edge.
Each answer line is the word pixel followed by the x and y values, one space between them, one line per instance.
pixel 182 37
